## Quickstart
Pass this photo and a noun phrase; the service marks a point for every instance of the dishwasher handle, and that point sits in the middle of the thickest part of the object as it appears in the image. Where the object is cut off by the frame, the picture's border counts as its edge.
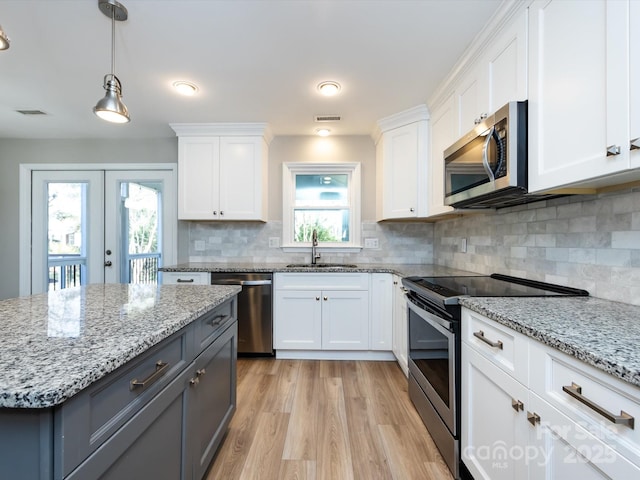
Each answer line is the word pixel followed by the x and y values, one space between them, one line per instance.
pixel 245 283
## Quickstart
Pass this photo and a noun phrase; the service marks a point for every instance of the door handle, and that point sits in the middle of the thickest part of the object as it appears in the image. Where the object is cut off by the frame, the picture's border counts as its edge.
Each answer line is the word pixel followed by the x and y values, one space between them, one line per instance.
pixel 108 263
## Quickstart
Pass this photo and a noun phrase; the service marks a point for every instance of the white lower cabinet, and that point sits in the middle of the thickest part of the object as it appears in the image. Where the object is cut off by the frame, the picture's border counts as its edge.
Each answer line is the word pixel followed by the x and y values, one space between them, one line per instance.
pixel 186 278
pixel 323 311
pixel 519 421
pixel 400 324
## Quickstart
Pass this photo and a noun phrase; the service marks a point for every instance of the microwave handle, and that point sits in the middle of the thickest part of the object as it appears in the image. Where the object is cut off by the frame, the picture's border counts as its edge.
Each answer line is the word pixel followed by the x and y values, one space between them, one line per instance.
pixel 485 155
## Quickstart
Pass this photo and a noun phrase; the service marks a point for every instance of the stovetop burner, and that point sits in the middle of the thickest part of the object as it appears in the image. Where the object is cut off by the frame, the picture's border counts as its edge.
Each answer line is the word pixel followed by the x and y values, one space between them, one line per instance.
pixel 448 289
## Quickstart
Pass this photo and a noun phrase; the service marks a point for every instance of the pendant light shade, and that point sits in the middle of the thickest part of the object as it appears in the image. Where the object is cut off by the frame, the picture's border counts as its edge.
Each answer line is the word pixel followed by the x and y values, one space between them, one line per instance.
pixel 4 40
pixel 111 108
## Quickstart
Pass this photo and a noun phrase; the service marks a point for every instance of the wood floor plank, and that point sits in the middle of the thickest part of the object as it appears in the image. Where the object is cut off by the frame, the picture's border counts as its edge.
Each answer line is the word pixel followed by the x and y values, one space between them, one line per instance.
pixel 280 398
pixel 369 458
pixel 385 407
pixel 351 380
pixel 334 452
pixel 231 457
pixel 330 368
pixel 302 436
pixel 265 456
pixel 297 470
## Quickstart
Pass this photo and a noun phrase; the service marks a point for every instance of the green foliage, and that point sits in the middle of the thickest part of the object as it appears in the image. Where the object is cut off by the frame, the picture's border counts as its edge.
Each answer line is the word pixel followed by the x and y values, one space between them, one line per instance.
pixel 304 232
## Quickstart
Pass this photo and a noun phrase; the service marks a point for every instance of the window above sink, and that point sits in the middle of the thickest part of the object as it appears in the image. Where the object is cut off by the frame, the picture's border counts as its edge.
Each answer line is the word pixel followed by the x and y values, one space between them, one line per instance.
pixel 324 197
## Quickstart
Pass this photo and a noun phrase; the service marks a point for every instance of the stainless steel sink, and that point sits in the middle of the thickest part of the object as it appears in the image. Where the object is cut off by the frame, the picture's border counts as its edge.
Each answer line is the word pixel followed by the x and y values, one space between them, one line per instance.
pixel 322 265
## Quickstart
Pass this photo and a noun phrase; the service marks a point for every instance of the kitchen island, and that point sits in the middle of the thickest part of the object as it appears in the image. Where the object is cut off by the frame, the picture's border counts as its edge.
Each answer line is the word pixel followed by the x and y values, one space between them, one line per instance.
pixel 116 381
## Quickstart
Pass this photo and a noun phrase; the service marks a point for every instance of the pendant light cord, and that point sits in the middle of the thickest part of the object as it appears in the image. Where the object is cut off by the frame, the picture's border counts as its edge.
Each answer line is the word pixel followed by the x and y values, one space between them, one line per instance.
pixel 113 41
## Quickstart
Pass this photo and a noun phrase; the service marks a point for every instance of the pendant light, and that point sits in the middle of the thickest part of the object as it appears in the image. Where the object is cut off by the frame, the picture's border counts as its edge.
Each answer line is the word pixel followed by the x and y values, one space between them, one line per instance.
pixel 111 108
pixel 4 40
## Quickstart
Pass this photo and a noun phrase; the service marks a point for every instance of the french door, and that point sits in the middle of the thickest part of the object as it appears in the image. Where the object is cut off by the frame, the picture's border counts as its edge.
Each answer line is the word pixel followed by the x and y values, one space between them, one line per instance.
pixel 100 226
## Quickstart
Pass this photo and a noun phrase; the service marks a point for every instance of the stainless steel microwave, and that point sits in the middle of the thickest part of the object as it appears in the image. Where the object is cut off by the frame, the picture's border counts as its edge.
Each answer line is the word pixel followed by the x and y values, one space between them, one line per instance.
pixel 488 166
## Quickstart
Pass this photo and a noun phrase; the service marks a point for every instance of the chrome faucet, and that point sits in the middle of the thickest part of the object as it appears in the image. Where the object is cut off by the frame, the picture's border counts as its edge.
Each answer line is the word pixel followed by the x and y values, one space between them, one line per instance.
pixel 314 244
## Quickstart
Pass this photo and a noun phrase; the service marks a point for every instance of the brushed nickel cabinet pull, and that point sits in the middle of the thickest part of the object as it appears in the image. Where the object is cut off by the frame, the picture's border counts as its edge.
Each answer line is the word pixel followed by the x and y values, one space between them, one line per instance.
pixel 480 334
pixel 624 418
pixel 613 150
pixel 634 144
pixel 533 418
pixel 181 280
pixel 201 372
pixel 194 382
pixel 517 405
pixel 161 369
pixel 217 320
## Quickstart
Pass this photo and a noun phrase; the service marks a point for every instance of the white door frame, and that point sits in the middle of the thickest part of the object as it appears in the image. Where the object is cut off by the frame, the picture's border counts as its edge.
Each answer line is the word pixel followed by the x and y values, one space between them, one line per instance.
pixel 24 207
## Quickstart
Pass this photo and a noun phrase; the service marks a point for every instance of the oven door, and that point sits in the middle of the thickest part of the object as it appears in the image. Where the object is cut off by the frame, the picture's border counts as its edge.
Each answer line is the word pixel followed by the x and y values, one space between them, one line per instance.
pixel 432 357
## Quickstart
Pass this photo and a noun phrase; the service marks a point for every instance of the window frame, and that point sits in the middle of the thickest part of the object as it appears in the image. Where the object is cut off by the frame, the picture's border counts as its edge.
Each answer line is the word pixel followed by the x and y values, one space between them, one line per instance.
pixel 289 172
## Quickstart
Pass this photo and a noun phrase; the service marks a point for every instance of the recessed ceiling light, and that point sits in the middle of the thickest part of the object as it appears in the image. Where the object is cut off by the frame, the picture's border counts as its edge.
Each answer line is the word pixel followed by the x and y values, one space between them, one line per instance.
pixel 323 132
pixel 329 88
pixel 185 88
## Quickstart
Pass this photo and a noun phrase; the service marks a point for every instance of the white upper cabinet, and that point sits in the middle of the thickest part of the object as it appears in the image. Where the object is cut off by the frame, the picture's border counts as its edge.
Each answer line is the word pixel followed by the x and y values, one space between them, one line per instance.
pixel 443 133
pixel 495 76
pixel 634 83
pixel 222 177
pixel 579 92
pixel 402 165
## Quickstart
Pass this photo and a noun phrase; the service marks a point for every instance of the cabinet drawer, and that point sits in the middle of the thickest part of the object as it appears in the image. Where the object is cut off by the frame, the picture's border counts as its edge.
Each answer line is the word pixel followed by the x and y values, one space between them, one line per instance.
pixel 186 278
pixel 554 375
pixel 89 418
pixel 504 347
pixel 322 281
pixel 209 326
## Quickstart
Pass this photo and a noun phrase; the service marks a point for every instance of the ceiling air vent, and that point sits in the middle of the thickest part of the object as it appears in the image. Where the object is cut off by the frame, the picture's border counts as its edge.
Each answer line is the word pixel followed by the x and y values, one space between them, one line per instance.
pixel 31 112
pixel 327 118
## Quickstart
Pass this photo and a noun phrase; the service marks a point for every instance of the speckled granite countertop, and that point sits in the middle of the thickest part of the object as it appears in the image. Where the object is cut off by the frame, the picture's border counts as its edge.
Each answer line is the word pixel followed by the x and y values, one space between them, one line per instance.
pixel 54 345
pixel 599 332
pixel 404 270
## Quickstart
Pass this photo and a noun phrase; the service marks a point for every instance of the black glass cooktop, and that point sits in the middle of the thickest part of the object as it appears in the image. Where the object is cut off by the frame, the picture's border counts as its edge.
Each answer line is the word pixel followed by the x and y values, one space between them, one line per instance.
pixel 495 285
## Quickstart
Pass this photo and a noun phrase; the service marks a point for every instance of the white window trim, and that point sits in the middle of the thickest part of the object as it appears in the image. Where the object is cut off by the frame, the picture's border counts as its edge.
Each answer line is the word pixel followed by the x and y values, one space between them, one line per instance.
pixel 289 171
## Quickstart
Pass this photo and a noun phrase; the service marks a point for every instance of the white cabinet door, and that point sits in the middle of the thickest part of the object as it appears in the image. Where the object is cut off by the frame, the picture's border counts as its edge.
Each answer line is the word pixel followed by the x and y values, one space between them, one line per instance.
pixel 298 319
pixel 494 426
pixel 381 312
pixel 186 278
pixel 222 178
pixel 443 134
pixel 471 99
pixel 578 92
pixel 345 320
pixel 506 65
pixel 561 448
pixel 634 83
pixel 399 172
pixel 243 166
pixel 198 170
pixel 400 324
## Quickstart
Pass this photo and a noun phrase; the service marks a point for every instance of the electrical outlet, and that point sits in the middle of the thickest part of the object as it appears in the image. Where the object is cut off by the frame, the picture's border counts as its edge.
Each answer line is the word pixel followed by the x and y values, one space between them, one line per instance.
pixel 463 245
pixel 274 242
pixel 371 243
pixel 199 245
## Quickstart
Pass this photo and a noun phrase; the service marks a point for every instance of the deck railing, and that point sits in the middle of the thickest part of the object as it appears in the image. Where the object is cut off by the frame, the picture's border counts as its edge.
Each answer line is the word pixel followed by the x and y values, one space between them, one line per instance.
pixel 143 267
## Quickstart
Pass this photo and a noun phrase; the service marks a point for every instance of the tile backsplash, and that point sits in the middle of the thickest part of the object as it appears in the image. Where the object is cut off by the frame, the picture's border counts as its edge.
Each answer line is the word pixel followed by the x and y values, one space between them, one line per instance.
pixel 590 242
pixel 230 242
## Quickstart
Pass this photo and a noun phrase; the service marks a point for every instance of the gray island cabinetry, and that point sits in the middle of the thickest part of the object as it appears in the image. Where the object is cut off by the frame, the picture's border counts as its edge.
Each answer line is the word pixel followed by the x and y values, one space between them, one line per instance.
pixel 117 381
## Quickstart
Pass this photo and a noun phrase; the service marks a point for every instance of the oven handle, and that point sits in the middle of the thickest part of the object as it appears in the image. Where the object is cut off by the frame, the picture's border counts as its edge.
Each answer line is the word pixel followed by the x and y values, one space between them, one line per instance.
pixel 442 324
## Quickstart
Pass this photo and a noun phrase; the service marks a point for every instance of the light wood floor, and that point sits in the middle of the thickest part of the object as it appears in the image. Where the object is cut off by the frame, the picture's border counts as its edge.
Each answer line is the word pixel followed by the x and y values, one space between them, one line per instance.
pixel 306 419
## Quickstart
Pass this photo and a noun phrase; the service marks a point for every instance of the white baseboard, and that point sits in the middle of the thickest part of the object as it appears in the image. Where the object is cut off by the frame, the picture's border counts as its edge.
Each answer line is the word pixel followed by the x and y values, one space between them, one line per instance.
pixel 335 355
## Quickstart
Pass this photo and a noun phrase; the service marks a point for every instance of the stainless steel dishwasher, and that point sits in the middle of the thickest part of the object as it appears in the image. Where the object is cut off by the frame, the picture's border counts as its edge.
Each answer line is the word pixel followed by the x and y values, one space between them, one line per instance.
pixel 255 315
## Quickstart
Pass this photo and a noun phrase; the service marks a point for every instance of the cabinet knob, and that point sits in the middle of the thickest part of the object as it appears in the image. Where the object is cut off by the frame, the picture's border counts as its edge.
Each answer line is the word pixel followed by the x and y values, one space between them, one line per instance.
pixel 517 405
pixel 215 212
pixel 194 382
pixel 200 372
pixel 326 298
pixel 613 150
pixel 533 418
pixel 412 209
pixel 221 213
pixel 318 298
pixel 635 144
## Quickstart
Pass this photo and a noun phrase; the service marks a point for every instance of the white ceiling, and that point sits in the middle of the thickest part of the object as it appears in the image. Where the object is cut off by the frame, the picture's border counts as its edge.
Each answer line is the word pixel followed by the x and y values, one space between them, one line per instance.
pixel 254 61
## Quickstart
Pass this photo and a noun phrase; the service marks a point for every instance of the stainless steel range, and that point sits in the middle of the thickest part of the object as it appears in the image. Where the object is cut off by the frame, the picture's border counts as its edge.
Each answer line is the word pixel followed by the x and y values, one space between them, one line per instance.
pixel 434 346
